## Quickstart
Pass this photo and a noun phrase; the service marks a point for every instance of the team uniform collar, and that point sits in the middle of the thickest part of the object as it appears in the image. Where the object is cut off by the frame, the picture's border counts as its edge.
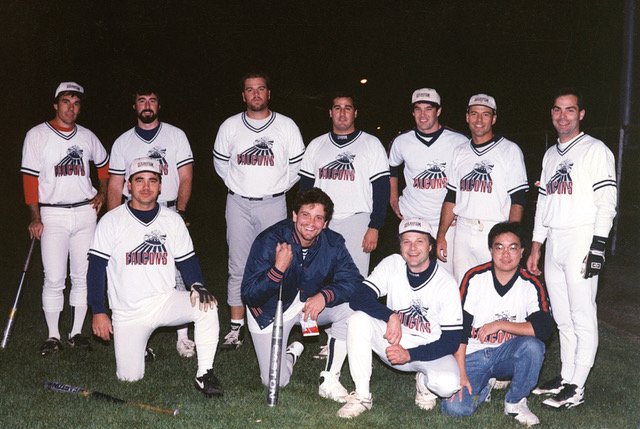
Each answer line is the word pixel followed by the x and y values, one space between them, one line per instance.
pixel 483 148
pixel 148 136
pixel 258 125
pixel 563 148
pixel 342 140
pixel 501 289
pixel 428 138
pixel 66 134
pixel 145 217
pixel 419 280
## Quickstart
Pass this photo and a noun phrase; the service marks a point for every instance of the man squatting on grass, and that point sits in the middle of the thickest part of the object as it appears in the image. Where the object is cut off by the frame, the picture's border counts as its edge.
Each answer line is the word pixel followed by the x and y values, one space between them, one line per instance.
pixel 506 319
pixel 318 277
pixel 137 247
pixel 417 331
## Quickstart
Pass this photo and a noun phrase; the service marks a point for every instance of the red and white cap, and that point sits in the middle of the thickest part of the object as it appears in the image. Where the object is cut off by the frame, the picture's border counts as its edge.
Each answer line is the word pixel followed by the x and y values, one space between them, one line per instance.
pixel 415 224
pixel 483 100
pixel 69 86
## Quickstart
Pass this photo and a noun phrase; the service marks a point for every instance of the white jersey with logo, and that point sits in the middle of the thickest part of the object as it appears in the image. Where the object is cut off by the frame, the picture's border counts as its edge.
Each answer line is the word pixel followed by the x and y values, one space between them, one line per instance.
pixel 345 171
pixel 484 178
pixel 141 256
pixel 258 158
pixel 169 146
pixel 577 187
pixel 425 311
pixel 60 161
pixel 426 171
pixel 480 298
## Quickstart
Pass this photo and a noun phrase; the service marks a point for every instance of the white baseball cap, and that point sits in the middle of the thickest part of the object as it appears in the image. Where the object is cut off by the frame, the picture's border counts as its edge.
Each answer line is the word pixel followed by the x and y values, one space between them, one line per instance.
pixel 425 95
pixel 483 100
pixel 415 224
pixel 144 164
pixel 69 86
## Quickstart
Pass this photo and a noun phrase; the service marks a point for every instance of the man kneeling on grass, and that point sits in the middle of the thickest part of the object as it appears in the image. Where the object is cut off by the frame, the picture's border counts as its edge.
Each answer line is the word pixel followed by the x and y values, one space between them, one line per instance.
pixel 506 319
pixel 418 330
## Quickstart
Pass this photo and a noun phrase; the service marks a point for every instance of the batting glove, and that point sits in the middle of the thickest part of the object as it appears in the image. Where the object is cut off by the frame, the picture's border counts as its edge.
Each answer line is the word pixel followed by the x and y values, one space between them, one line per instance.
pixel 200 294
pixel 594 261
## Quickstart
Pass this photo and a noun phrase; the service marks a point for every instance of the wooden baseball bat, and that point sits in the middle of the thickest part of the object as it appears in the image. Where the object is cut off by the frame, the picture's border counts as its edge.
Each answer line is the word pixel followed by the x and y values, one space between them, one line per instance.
pixel 14 309
pixel 55 386
pixel 276 351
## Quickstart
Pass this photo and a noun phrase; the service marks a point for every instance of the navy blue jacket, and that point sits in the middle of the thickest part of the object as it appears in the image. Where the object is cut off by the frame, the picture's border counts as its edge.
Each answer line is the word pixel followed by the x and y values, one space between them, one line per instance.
pixel 327 269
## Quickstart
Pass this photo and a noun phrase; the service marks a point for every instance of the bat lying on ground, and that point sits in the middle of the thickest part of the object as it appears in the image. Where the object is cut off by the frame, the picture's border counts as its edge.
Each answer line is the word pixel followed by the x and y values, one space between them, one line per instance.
pixel 86 393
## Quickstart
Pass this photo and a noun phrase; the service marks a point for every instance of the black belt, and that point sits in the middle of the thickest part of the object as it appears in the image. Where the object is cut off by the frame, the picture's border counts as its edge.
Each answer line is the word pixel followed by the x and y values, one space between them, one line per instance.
pixel 67 206
pixel 171 203
pixel 279 194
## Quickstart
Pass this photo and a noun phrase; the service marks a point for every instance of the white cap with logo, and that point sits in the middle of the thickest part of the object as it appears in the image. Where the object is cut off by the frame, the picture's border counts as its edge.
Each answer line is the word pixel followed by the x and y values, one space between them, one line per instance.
pixel 415 224
pixel 144 164
pixel 483 100
pixel 425 95
pixel 69 86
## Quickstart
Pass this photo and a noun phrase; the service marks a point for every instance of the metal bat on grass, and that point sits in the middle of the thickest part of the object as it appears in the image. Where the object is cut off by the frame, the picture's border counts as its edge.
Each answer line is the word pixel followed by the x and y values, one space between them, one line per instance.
pixel 276 351
pixel 86 393
pixel 14 309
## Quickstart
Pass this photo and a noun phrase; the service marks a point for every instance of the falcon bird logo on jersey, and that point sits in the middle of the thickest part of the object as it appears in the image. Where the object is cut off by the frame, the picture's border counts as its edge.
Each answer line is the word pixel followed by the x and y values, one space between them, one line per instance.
pixel 498 337
pixel 258 154
pixel 159 154
pixel 71 165
pixel 340 169
pixel 561 182
pixel 479 180
pixel 433 177
pixel 152 251
pixel 415 317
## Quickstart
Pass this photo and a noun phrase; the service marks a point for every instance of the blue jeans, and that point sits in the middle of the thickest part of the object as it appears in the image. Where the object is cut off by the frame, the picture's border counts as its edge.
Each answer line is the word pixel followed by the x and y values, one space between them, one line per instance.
pixel 519 359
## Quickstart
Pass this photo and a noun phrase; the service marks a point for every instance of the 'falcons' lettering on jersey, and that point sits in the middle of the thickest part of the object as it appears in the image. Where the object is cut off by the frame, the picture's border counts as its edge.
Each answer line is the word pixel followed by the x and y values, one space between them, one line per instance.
pixel 415 317
pixel 432 178
pixel 560 182
pixel 479 180
pixel 151 252
pixel 259 154
pixel 340 169
pixel 500 336
pixel 71 165
pixel 160 154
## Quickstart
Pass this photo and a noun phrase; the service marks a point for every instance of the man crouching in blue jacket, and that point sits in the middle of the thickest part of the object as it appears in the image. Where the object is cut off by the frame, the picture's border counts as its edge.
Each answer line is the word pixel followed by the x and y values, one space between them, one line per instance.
pixel 318 278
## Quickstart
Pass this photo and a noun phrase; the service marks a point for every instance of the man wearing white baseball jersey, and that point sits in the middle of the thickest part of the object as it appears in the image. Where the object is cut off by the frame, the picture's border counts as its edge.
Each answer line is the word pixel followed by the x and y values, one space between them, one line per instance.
pixel 418 330
pixel 136 248
pixel 312 266
pixel 576 206
pixel 487 185
pixel 506 319
pixel 257 154
pixel 351 166
pixel 167 144
pixel 426 153
pixel 63 205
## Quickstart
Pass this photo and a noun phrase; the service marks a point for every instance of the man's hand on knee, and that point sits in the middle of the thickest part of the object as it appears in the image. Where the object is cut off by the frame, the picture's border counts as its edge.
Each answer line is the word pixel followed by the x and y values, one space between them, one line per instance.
pixel 200 294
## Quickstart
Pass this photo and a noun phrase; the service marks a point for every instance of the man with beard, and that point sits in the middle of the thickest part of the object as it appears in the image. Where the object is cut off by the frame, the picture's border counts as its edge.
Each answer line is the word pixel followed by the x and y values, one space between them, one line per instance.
pixel 169 145
pixel 257 154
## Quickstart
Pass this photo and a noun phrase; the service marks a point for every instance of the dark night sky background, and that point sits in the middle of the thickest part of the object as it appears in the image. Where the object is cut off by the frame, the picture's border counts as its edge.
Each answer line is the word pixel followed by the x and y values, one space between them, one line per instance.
pixel 517 51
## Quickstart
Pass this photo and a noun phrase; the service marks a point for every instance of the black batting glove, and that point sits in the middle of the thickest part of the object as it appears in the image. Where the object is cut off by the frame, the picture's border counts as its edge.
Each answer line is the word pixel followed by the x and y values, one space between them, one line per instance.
pixel 594 261
pixel 200 294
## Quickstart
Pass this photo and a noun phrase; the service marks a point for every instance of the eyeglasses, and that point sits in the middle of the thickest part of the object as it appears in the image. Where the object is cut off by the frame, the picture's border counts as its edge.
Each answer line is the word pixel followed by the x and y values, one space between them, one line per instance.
pixel 512 248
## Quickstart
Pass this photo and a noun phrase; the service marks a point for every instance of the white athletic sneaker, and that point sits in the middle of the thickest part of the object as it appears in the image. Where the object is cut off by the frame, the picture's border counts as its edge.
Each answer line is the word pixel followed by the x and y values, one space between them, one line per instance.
pixel 233 340
pixel 186 348
pixel 491 384
pixel 425 399
pixel 570 396
pixel 323 353
pixel 521 412
pixel 331 388
pixel 501 384
pixel 355 406
pixel 295 349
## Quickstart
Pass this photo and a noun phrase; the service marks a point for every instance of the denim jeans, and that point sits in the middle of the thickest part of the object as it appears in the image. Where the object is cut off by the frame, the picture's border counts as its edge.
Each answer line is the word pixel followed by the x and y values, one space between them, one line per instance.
pixel 519 359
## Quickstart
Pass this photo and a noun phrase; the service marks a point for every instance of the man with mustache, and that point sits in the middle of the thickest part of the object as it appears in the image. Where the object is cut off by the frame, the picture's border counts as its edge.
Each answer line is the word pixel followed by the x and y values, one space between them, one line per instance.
pixel 169 145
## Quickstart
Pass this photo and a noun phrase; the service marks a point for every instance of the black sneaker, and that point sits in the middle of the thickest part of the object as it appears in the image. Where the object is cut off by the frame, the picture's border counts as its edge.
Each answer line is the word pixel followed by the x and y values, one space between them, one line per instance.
pixel 209 385
pixel 570 396
pixel 149 355
pixel 50 346
pixel 234 339
pixel 79 341
pixel 550 387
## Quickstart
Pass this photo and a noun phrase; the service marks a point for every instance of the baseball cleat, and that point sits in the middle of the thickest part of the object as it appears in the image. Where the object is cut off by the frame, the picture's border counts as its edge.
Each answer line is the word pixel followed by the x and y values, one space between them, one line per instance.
pixel 79 341
pixel 208 384
pixel 355 406
pixel 50 346
pixel 295 349
pixel 323 353
pixel 521 412
pixel 186 348
pixel 233 340
pixel 149 355
pixel 330 387
pixel 425 399
pixel 550 387
pixel 570 396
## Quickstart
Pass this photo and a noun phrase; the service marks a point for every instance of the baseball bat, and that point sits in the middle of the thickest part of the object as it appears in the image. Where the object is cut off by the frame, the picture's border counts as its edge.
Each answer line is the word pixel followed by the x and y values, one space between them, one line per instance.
pixel 54 386
pixel 276 351
pixel 14 309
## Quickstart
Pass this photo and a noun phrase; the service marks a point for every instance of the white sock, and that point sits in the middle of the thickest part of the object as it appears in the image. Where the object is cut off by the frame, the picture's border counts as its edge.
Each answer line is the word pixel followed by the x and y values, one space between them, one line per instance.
pixel 580 375
pixel 567 371
pixel 337 355
pixel 52 318
pixel 79 313
pixel 183 334
pixel 237 323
